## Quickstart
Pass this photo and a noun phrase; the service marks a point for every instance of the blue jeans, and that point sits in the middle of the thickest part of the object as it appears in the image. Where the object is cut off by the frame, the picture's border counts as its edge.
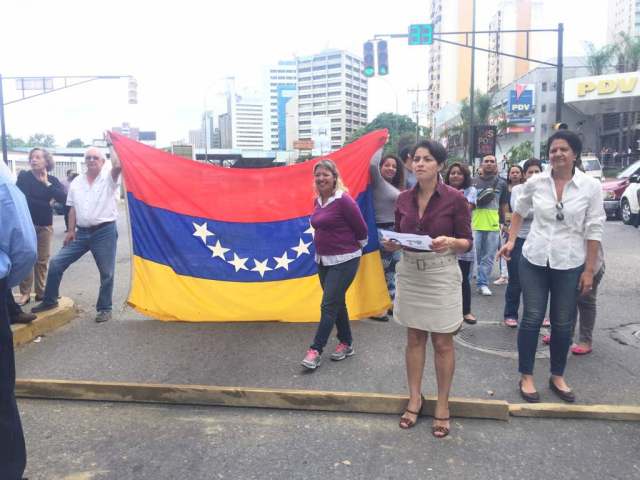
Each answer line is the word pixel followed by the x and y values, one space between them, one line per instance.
pixel 487 244
pixel 13 455
pixel 512 295
pixel 335 280
pixel 537 284
pixel 389 262
pixel 102 244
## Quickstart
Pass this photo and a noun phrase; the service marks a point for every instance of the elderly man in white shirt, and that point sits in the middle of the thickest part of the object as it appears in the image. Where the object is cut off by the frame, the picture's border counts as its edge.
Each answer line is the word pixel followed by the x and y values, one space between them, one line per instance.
pixel 558 258
pixel 93 200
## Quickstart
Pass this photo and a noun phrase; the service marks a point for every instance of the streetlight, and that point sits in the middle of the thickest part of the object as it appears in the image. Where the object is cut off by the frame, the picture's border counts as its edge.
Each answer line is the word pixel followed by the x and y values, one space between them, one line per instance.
pixel 45 84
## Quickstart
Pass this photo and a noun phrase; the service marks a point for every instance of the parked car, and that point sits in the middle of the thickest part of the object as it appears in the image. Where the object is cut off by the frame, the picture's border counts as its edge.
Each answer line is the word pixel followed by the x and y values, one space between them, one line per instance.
pixel 612 189
pixel 630 201
pixel 591 166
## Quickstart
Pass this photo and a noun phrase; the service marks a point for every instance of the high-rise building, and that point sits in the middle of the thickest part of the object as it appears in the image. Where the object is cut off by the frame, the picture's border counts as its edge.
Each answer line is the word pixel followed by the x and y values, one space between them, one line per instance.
pixel 624 16
pixel 246 120
pixel 280 87
pixel 516 15
pixel 332 98
pixel 449 65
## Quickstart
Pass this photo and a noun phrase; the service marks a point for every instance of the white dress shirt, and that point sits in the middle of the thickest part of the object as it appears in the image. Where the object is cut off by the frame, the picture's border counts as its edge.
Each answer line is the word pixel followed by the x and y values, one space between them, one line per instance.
pixel 561 243
pixel 95 203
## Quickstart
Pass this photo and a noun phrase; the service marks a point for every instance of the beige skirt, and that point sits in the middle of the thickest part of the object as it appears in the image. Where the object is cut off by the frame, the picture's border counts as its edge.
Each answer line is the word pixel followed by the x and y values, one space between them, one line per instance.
pixel 428 292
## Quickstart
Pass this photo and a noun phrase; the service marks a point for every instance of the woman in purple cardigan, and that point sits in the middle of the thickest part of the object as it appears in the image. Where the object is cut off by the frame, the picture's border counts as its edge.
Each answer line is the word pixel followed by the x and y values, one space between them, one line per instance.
pixel 340 233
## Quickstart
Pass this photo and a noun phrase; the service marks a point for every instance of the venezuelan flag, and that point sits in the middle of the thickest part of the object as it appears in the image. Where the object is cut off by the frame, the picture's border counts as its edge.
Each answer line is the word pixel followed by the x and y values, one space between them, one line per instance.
pixel 226 244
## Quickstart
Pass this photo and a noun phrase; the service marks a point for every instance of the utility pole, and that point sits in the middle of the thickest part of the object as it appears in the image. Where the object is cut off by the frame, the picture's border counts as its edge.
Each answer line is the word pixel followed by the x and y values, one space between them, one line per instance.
pixel 470 135
pixel 417 91
pixel 559 93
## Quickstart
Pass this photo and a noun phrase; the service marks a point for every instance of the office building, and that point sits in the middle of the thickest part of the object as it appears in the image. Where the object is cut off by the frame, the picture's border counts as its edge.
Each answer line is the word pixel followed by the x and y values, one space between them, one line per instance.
pixel 331 97
pixel 280 88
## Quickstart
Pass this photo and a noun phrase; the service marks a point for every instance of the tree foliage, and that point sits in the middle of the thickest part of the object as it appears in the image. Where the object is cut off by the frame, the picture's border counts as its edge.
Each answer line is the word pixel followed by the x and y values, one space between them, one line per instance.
pixel 522 151
pixel 15 142
pixel 75 143
pixel 628 52
pixel 599 59
pixel 402 131
pixel 41 140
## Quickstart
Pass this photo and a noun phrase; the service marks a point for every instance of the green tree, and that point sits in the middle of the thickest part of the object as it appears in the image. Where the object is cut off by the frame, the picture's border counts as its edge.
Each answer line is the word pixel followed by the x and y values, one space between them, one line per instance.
pixel 628 52
pixel 75 143
pixel 15 142
pixel 599 59
pixel 41 140
pixel 522 151
pixel 483 111
pixel 402 131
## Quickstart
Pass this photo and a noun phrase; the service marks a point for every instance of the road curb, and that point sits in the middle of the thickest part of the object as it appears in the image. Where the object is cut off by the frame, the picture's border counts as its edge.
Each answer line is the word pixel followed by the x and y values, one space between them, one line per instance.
pixel 287 399
pixel 45 323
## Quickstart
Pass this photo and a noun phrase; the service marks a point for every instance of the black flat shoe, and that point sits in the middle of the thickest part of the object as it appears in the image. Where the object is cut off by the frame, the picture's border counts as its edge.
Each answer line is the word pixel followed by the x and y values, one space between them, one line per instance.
pixel 566 395
pixel 528 397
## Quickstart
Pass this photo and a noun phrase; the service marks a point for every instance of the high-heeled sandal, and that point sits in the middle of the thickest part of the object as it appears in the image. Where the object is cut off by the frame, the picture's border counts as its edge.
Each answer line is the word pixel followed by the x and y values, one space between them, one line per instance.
pixel 405 422
pixel 439 431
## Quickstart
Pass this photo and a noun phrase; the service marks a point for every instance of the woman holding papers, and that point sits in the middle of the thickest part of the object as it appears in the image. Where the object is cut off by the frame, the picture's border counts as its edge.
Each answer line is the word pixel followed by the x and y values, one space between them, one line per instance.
pixel 428 299
pixel 340 234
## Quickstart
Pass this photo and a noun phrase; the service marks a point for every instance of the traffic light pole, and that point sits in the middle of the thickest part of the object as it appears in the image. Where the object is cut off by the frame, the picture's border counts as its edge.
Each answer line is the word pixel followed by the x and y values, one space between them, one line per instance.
pixel 471 142
pixel 75 79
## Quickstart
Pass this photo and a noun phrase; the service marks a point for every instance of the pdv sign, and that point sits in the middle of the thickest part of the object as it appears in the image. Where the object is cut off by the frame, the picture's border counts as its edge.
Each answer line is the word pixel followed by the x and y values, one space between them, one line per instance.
pixel 521 99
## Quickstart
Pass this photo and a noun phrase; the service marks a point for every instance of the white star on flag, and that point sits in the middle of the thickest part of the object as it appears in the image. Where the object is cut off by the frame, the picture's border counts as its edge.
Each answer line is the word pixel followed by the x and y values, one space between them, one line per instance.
pixel 283 261
pixel 302 248
pixel 261 267
pixel 218 250
pixel 202 231
pixel 310 230
pixel 238 263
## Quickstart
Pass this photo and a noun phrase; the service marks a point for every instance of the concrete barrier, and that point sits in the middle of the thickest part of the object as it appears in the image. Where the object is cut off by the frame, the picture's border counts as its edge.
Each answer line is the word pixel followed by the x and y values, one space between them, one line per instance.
pixel 45 323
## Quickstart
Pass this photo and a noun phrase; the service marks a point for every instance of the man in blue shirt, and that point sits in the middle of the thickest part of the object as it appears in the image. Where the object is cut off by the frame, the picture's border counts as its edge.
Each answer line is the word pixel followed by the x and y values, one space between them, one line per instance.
pixel 17 256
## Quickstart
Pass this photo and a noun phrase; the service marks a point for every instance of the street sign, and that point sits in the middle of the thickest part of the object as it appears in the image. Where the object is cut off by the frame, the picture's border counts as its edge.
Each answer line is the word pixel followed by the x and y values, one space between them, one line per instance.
pixel 421 34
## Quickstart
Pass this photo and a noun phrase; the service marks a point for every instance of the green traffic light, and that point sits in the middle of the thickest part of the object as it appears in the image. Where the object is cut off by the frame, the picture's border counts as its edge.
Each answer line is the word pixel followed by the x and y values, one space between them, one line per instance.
pixel 369 72
pixel 383 70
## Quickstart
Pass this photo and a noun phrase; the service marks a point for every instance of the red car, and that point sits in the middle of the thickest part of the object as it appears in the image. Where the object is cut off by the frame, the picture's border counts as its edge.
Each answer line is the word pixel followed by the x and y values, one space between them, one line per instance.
pixel 612 189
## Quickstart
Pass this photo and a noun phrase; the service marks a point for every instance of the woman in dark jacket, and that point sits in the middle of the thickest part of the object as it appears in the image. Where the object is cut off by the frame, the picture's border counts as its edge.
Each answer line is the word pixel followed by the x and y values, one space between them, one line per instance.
pixel 41 189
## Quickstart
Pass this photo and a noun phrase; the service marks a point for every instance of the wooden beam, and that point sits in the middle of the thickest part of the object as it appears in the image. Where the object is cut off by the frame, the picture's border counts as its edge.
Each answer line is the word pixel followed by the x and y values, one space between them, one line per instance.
pixel 565 410
pixel 250 397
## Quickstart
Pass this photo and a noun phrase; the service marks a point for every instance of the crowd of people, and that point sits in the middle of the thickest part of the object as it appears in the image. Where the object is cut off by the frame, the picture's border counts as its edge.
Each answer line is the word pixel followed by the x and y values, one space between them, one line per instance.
pixel 546 226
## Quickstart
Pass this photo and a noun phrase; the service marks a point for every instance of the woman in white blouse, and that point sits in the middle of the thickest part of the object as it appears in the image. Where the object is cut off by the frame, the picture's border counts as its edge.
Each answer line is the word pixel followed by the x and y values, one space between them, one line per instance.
pixel 558 257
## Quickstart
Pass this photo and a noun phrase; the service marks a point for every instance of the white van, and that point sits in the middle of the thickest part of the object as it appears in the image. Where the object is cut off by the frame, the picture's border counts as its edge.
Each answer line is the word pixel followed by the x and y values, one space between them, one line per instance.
pixel 592 166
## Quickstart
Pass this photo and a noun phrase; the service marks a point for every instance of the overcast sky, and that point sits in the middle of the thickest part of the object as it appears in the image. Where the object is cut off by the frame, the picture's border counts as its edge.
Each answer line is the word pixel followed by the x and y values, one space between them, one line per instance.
pixel 178 51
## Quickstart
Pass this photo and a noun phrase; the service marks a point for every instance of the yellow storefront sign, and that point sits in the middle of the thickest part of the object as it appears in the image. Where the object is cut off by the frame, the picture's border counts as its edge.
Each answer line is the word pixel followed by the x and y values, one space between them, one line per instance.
pixel 607 86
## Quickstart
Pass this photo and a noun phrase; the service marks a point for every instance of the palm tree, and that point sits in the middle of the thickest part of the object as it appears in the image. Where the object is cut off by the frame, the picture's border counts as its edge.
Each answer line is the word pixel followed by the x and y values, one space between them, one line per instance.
pixel 628 51
pixel 482 112
pixel 599 59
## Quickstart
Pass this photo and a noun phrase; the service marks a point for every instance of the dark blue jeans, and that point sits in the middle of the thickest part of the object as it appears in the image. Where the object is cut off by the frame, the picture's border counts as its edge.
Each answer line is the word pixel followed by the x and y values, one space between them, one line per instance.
pixel 102 245
pixel 512 295
pixel 335 280
pixel 537 284
pixel 13 455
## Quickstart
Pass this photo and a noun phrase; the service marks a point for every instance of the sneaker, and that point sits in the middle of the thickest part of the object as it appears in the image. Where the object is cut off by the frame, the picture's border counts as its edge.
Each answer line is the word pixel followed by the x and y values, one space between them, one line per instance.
pixel 103 316
pixel 312 359
pixel 43 307
pixel 546 339
pixel 484 290
pixel 383 318
pixel 501 281
pixel 343 351
pixel 546 322
pixel 510 322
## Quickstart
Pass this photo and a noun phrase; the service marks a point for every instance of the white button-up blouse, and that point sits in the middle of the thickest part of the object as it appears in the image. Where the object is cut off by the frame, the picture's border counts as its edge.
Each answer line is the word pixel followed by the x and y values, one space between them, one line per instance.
pixel 561 243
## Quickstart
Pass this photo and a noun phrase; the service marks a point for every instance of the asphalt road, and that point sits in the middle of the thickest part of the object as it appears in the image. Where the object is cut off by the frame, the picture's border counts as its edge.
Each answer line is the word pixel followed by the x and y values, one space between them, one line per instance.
pixel 94 440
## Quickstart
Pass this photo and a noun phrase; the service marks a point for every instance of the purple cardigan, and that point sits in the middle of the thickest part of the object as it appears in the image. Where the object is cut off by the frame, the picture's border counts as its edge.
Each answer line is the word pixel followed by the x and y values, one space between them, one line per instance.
pixel 339 226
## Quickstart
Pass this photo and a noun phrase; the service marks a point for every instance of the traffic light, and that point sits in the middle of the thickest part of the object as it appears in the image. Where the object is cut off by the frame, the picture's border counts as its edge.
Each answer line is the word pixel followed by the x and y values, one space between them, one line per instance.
pixel 369 67
pixel 383 58
pixel 133 91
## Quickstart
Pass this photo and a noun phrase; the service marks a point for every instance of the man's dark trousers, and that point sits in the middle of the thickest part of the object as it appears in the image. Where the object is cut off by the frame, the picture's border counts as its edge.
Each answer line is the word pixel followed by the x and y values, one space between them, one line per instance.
pixel 13 455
